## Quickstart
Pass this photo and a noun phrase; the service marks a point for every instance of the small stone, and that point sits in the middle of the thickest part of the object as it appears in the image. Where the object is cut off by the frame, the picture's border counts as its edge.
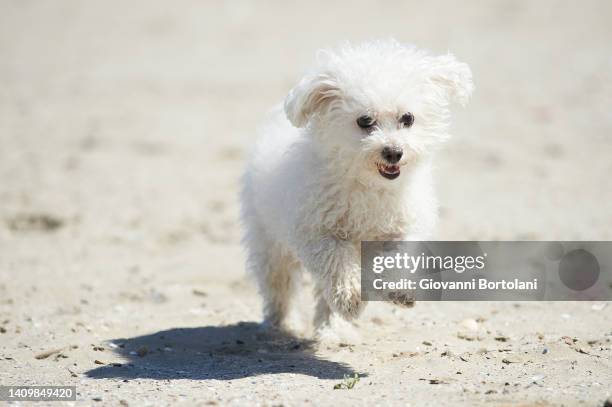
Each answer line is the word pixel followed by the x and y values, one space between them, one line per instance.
pixel 599 306
pixel 568 340
pixel 48 353
pixel 470 324
pixel 466 336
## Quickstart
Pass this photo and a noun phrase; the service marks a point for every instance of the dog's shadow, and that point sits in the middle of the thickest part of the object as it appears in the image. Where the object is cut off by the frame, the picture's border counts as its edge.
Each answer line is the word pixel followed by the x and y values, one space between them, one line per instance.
pixel 216 352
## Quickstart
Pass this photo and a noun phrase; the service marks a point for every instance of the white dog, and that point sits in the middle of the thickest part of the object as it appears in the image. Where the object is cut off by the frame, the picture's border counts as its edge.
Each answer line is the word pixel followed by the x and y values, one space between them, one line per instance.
pixel 351 163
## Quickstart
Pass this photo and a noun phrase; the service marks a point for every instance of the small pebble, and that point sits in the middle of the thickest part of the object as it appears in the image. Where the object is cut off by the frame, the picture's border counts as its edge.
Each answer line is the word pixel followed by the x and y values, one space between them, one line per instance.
pixel 470 324
pixel 599 306
pixel 199 293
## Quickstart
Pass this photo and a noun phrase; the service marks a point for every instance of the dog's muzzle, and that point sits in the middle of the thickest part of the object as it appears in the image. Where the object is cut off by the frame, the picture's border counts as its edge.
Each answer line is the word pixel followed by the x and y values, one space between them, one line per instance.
pixel 390 168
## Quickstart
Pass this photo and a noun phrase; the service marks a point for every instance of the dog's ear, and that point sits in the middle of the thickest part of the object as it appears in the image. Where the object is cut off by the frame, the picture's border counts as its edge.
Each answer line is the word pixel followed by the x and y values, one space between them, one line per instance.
pixel 453 77
pixel 311 95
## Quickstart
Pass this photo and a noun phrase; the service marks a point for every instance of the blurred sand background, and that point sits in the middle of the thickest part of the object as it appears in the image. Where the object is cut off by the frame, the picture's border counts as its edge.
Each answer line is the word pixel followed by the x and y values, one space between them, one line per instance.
pixel 123 130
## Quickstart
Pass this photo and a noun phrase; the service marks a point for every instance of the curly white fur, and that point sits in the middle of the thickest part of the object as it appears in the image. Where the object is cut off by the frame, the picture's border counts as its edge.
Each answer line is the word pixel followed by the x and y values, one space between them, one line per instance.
pixel 313 190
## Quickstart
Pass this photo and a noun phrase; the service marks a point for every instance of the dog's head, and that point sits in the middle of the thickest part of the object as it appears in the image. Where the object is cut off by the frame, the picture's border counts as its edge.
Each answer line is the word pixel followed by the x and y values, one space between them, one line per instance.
pixel 379 106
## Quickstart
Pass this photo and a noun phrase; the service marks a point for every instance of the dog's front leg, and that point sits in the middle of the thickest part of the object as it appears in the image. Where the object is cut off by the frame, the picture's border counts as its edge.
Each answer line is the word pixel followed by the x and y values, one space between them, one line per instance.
pixel 334 263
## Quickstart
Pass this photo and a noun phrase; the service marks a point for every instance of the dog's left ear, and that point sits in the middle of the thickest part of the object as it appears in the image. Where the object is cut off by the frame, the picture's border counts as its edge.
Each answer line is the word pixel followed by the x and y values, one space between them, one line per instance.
pixel 453 77
pixel 310 96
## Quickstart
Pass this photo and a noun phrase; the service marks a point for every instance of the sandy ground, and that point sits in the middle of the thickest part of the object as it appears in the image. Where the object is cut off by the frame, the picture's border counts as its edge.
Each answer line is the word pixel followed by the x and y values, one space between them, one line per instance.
pixel 123 129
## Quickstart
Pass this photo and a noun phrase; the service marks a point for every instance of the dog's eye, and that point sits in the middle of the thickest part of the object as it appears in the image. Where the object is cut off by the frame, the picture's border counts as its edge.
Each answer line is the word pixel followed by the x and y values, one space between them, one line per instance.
pixel 365 122
pixel 407 119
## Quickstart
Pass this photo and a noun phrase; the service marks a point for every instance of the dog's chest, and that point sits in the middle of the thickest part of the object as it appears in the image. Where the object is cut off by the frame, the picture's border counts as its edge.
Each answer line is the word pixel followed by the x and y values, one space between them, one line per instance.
pixel 370 215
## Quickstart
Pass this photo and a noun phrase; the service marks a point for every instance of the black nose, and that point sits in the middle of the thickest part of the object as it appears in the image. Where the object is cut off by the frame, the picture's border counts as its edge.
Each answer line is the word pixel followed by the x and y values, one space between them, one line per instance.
pixel 392 154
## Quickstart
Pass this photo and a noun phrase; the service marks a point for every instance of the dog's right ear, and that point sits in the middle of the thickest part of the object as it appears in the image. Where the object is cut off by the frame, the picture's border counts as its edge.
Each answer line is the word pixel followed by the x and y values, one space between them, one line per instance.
pixel 453 77
pixel 310 96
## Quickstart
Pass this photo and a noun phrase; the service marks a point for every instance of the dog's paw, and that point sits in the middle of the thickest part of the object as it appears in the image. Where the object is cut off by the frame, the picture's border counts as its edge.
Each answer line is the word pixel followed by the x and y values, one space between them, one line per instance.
pixel 326 335
pixel 401 299
pixel 346 301
pixel 272 328
pixel 337 332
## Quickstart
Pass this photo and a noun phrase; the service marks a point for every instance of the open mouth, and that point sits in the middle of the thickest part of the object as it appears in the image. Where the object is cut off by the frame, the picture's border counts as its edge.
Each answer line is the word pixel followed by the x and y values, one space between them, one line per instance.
pixel 389 171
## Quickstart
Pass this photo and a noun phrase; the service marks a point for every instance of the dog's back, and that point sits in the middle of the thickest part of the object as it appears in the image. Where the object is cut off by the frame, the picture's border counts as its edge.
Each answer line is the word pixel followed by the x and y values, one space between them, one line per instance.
pixel 274 172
